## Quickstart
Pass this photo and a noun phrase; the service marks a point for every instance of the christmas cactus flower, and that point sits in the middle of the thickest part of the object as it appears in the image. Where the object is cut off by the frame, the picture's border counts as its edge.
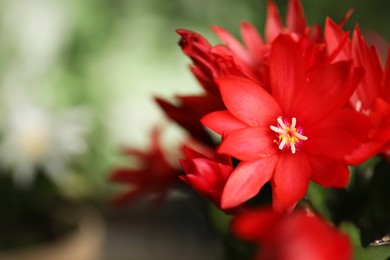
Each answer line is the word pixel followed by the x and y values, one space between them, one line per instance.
pixel 298 132
pixel 209 62
pixel 372 99
pixel 301 235
pixel 229 58
pixel 252 56
pixel 154 177
pixel 206 175
pixel 372 95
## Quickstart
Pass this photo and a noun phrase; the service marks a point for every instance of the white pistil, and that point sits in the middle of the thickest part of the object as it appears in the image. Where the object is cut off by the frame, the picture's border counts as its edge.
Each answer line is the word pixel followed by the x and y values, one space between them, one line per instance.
pixel 302 137
pixel 288 135
pixel 282 143
pixel 278 130
pixel 358 105
pixel 281 123
pixel 293 123
pixel 292 146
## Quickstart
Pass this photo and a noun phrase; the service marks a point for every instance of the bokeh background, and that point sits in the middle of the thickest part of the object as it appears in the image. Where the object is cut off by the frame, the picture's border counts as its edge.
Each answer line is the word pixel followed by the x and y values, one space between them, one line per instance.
pixel 91 68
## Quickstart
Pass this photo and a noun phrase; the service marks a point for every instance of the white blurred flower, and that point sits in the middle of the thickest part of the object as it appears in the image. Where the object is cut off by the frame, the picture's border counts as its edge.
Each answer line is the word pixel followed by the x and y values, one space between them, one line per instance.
pixel 36 137
pixel 38 29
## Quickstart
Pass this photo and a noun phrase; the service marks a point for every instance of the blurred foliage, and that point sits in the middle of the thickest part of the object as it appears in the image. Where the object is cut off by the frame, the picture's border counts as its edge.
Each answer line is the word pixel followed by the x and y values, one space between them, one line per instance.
pixel 32 216
pixel 380 252
pixel 361 210
pixel 365 203
pixel 234 248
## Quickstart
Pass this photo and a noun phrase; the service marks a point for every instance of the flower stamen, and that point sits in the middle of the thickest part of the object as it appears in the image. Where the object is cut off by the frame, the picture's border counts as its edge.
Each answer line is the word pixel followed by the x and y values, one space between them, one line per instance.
pixel 288 135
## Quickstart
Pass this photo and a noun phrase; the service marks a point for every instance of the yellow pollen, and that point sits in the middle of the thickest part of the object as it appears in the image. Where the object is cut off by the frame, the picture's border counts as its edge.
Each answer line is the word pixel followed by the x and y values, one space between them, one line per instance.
pixel 289 136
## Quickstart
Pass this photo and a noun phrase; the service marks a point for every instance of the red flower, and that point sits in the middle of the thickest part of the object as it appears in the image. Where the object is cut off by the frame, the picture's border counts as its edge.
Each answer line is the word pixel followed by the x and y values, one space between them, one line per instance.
pixel 295 25
pixel 189 110
pixel 208 63
pixel 372 96
pixel 252 56
pixel 155 176
pixel 298 236
pixel 372 99
pixel 299 132
pixel 337 42
pixel 233 58
pixel 206 175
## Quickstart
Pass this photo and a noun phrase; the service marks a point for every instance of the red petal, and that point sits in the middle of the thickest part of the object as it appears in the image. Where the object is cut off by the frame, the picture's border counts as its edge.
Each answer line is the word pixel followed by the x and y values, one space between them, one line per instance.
pixel 129 151
pixel 290 181
pixel 337 41
pixel 249 143
pixel 302 231
pixel 248 101
pixel 328 88
pixel 370 86
pixel 222 122
pixel 252 40
pixel 386 78
pixel 192 154
pixel 295 18
pixel 256 225
pixel 364 152
pixel 287 69
pixel 333 35
pixel 332 143
pixel 207 170
pixel 329 173
pixel 337 135
pixel 198 184
pixel 224 171
pixel 273 24
pixel 380 116
pixel 188 38
pixel 232 43
pixel 345 18
pixel 247 180
pixel 127 175
pixel 188 166
pixel 179 114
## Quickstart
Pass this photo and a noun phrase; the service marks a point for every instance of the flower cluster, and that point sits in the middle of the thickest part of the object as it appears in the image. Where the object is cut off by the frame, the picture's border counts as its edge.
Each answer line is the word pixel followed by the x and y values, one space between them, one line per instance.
pixel 300 104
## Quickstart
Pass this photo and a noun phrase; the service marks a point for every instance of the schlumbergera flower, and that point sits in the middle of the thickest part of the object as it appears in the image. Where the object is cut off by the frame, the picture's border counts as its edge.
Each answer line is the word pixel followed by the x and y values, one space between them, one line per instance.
pixel 155 176
pixel 252 56
pixel 233 58
pixel 301 235
pixel 206 174
pixel 372 95
pixel 209 62
pixel 371 98
pixel 298 132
